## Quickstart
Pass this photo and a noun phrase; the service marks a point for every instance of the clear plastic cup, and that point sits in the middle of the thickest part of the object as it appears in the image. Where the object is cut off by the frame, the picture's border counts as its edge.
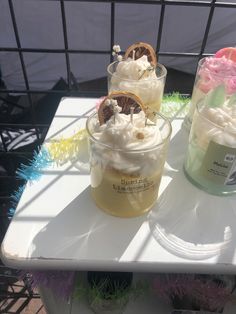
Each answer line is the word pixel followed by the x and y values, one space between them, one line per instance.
pixel 125 183
pixel 211 156
pixel 149 89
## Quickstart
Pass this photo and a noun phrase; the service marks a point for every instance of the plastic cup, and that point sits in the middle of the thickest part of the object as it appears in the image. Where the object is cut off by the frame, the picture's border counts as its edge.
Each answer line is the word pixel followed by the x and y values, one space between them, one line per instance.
pixel 125 183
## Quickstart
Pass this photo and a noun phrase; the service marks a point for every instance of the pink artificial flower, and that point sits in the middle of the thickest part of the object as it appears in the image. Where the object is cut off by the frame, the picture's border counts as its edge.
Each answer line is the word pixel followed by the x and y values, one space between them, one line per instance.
pixel 231 86
pixel 99 101
pixel 216 71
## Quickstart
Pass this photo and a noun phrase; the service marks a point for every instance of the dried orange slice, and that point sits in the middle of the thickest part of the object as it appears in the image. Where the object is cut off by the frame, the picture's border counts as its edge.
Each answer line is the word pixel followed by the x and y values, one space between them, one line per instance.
pixel 125 100
pixel 228 52
pixel 140 49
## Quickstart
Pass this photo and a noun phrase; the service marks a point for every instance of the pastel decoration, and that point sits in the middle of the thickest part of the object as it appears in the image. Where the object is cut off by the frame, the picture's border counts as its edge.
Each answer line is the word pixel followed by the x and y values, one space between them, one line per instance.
pixel 216 97
pixel 99 101
pixel 232 100
pixel 228 52
pixel 15 197
pixel 216 71
pixel 67 149
pixel 33 170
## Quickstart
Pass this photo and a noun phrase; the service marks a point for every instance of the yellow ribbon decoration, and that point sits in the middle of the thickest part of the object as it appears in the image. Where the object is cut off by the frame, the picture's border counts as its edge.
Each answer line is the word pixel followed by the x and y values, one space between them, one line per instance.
pixel 66 149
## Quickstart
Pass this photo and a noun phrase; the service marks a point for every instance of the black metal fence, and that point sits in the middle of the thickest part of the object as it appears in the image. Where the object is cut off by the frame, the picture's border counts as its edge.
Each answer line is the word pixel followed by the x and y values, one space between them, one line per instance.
pixel 71 86
pixel 15 295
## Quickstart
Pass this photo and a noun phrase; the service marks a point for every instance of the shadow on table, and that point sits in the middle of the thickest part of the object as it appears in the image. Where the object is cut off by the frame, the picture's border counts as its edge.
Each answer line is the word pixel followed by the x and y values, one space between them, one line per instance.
pixel 191 223
pixel 186 220
pixel 86 233
pixel 177 149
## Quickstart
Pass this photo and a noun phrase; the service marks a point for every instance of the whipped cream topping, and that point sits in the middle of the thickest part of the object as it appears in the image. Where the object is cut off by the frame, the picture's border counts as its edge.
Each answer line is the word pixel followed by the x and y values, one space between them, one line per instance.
pixel 139 77
pixel 135 69
pixel 122 135
pixel 222 130
pixel 215 71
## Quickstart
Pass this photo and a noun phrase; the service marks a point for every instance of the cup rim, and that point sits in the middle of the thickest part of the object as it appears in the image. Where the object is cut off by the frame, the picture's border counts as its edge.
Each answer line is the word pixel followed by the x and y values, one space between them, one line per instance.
pixel 165 140
pixel 130 80
pixel 201 66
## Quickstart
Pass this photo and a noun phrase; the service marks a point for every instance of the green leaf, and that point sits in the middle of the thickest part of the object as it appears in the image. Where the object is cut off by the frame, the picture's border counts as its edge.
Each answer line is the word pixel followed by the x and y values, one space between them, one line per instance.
pixel 216 97
pixel 232 100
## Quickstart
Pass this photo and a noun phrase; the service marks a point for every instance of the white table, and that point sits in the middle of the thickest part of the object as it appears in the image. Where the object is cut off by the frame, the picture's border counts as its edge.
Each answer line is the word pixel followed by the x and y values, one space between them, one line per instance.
pixel 58 226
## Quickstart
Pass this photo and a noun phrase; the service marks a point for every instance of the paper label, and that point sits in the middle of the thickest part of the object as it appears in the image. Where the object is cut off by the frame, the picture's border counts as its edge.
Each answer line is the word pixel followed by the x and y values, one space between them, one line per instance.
pixel 219 164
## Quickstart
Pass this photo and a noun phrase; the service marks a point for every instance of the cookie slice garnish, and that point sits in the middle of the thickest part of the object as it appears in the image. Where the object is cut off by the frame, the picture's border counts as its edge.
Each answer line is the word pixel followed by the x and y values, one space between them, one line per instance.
pixel 140 49
pixel 125 101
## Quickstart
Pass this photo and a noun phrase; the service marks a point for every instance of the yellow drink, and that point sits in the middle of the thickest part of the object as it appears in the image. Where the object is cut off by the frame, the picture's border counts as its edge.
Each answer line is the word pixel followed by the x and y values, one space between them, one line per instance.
pixel 124 195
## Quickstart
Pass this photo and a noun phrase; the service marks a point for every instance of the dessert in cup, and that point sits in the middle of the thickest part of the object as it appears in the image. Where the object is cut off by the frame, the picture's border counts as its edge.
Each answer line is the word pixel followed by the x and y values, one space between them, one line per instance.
pixel 211 156
pixel 138 72
pixel 213 71
pixel 127 155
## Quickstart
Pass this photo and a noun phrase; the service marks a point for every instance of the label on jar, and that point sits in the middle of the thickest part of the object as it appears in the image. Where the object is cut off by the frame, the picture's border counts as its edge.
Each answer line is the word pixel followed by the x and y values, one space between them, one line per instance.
pixel 219 164
pixel 133 186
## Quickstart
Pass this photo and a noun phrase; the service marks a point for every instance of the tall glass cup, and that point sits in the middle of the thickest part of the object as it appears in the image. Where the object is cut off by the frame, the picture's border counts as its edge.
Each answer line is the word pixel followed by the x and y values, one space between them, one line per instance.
pixel 150 89
pixel 125 183
pixel 211 157
pixel 211 72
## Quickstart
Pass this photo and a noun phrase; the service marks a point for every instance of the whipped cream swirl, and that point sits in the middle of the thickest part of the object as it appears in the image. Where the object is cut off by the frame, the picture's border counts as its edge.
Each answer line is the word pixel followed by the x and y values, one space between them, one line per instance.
pixel 139 69
pixel 122 137
pixel 139 77
pixel 222 130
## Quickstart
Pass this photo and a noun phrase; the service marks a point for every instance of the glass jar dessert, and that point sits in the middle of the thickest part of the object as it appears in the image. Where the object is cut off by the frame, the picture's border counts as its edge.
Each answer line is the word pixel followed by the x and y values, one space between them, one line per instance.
pixel 211 157
pixel 213 71
pixel 127 155
pixel 139 73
